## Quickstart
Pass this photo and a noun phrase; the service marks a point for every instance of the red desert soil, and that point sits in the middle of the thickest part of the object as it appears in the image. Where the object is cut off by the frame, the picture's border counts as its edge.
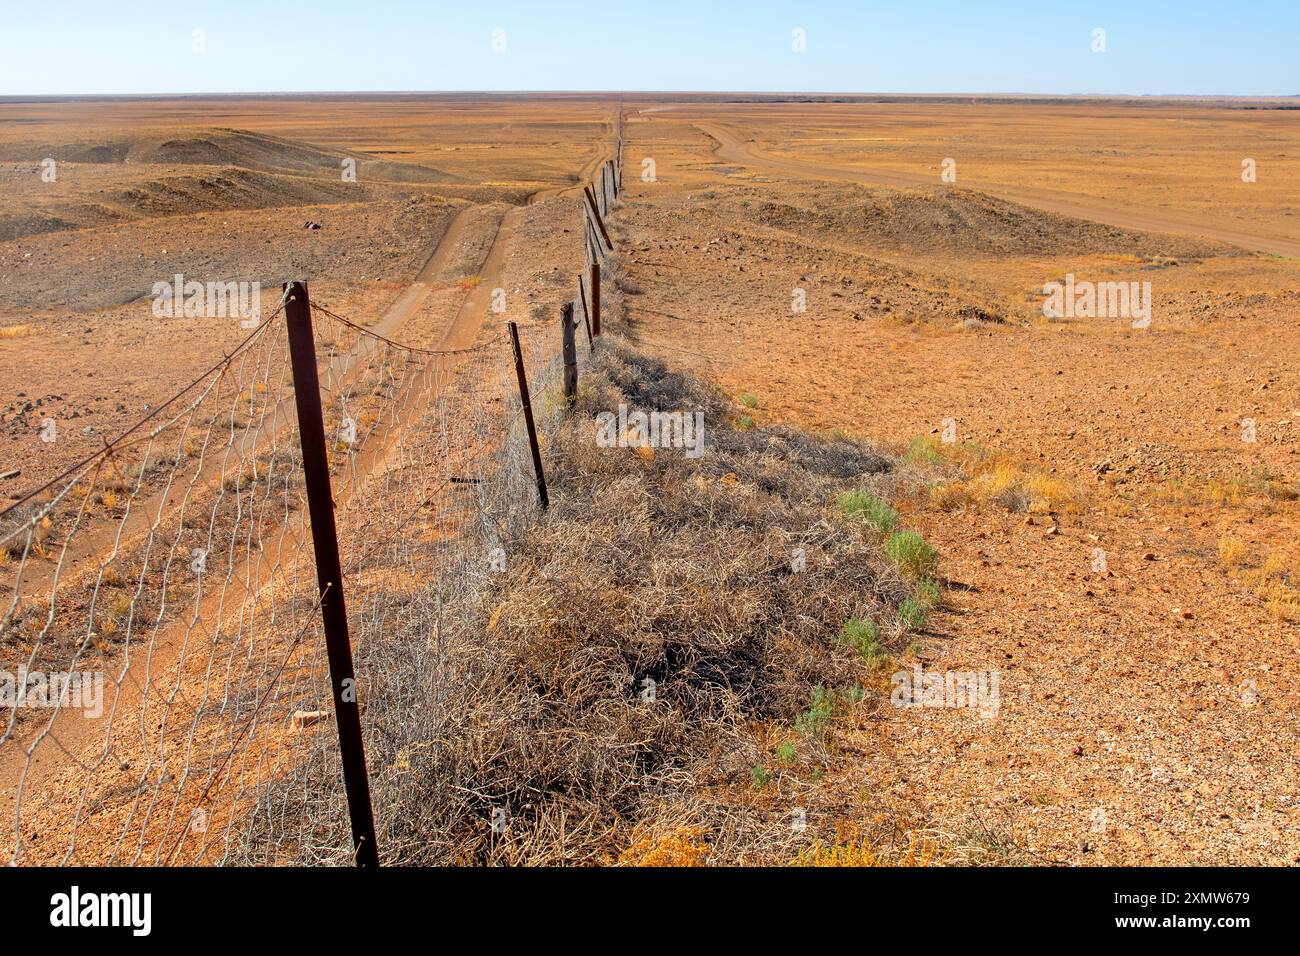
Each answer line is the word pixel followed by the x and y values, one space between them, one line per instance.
pixel 421 269
pixel 1147 709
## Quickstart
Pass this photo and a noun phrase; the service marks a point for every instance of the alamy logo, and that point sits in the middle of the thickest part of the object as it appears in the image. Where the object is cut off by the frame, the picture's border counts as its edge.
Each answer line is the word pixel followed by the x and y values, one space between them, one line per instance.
pixel 213 300
pixel 1091 300
pixel 976 690
pixel 75 908
pixel 57 689
pixel 651 430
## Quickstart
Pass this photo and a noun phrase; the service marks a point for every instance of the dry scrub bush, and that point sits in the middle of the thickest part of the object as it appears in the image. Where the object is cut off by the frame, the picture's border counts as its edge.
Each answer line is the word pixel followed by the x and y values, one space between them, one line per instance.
pixel 982 479
pixel 527 696
pixel 680 847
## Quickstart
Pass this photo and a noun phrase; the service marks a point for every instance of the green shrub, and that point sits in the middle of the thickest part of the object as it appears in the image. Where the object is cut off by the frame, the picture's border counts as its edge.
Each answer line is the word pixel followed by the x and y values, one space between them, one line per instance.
pixel 746 421
pixel 817 717
pixel 915 610
pixel 863 636
pixel 923 451
pixel 913 555
pixel 749 399
pixel 913 613
pixel 927 593
pixel 787 752
pixel 866 506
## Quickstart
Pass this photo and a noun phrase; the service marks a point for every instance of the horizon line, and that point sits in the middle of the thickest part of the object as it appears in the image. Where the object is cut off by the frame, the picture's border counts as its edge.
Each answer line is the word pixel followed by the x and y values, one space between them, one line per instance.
pixel 19 97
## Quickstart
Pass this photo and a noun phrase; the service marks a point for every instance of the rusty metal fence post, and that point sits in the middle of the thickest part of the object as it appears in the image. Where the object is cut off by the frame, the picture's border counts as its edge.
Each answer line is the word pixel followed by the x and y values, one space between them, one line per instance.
pixel 569 348
pixel 329 571
pixel 586 313
pixel 528 417
pixel 591 202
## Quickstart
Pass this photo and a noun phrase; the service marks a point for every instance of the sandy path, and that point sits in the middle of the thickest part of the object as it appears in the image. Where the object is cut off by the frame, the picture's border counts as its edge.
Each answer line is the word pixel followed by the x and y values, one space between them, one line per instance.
pixel 468 320
pixel 735 145
pixel 76 735
pixel 405 305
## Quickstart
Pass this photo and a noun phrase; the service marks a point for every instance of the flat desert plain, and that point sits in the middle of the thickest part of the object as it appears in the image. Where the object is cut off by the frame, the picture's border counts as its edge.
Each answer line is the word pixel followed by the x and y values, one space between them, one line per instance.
pixel 1114 495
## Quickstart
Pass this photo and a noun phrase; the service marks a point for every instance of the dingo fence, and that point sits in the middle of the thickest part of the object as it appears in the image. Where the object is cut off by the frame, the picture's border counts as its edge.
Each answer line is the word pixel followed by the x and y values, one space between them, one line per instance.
pixel 177 681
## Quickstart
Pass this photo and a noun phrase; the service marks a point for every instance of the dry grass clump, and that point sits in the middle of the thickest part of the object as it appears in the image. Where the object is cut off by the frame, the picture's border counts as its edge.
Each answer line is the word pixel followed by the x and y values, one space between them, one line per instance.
pixel 616 274
pixel 1233 552
pixel 1258 488
pixel 684 846
pixel 982 479
pixel 1274 578
pixel 981 844
pixel 879 841
pixel 14 331
pixel 662 610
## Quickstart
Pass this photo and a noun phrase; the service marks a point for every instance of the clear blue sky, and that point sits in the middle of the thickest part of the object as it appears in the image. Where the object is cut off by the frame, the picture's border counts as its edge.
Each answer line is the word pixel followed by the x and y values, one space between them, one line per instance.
pixel 1247 47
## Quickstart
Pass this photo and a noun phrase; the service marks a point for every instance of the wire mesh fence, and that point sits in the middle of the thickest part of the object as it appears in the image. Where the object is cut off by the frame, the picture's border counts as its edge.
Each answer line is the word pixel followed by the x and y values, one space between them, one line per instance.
pixel 161 645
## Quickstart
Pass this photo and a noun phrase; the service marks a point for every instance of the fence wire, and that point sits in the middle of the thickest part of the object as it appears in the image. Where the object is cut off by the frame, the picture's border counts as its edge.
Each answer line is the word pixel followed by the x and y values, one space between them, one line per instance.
pixel 161 631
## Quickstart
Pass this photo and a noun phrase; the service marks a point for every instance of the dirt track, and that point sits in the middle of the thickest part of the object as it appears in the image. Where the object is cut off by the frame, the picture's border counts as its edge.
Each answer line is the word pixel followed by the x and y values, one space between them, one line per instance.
pixel 448 302
pixel 1148 710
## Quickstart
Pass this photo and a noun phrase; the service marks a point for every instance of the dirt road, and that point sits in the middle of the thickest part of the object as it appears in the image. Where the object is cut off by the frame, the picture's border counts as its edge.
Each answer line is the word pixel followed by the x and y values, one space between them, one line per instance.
pixel 478 240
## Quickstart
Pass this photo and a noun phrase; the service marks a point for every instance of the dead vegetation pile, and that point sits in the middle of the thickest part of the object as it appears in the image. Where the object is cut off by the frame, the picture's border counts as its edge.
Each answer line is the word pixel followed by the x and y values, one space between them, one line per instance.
pixel 605 690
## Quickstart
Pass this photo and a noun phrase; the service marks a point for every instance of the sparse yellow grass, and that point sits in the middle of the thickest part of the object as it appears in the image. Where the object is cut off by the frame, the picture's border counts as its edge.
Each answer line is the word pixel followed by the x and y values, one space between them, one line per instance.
pixel 15 331
pixel 1275 579
pixel 986 480
pixel 1053 494
pixel 837 854
pixel 1232 552
pixel 684 846
pixel 1274 566
pixel 951 496
pixel 1226 492
pixel 1283 606
pixel 38 547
